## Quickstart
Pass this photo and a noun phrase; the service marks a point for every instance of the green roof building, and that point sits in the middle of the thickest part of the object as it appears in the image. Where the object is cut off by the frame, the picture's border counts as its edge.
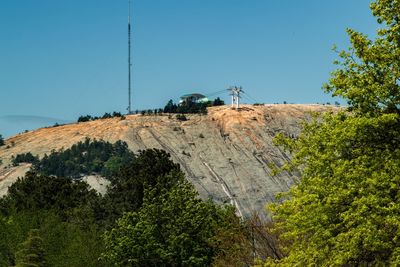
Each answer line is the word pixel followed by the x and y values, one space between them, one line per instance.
pixel 193 98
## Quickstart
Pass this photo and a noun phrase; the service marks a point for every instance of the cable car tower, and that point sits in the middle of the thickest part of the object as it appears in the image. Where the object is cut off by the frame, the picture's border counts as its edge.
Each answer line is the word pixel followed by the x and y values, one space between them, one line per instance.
pixel 235 93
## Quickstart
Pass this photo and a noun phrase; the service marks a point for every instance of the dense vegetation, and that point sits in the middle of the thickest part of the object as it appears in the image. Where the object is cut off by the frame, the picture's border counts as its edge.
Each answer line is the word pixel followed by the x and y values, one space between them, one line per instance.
pixel 31 252
pixel 191 107
pixel 346 211
pixel 150 216
pixel 173 227
pixel 105 116
pixel 62 212
pixel 24 158
pixel 1 140
pixel 83 158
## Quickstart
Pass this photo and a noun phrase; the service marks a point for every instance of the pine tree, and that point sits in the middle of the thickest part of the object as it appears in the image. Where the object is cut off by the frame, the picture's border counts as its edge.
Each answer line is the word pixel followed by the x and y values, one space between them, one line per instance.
pixel 1 140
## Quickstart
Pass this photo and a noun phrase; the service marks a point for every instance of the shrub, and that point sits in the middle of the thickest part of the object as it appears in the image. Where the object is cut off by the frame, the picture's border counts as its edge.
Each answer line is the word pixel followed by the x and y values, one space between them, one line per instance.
pixel 25 158
pixel 181 117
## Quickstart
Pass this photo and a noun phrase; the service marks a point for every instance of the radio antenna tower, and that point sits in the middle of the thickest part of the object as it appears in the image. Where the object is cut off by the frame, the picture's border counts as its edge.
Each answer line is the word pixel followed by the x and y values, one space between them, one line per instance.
pixel 129 59
pixel 235 93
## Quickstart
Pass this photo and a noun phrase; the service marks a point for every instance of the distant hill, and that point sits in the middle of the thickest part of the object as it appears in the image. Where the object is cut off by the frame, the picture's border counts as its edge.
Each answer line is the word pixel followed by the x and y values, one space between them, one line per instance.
pixel 12 124
pixel 225 154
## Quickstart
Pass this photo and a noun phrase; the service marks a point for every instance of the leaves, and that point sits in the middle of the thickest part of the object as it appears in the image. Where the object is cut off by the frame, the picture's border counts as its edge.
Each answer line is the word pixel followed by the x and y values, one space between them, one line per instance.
pixel 369 71
pixel 170 229
pixel 31 252
pixel 345 211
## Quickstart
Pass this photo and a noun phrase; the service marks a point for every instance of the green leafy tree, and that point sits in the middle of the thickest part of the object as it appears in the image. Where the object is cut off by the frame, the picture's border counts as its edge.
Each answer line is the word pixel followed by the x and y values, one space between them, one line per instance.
pixel 173 228
pixel 345 211
pixel 31 253
pixel 149 168
pixel 1 140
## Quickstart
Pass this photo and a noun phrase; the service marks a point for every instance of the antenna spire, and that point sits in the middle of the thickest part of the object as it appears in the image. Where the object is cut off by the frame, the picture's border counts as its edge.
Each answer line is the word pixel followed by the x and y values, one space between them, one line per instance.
pixel 129 59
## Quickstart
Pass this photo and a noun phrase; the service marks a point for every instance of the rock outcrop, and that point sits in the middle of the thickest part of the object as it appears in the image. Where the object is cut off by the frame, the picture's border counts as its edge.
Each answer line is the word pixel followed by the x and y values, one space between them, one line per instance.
pixel 225 153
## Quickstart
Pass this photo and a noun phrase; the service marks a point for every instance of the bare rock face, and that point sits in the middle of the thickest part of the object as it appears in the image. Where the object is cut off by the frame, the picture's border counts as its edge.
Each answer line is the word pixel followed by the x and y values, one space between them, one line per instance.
pixel 225 154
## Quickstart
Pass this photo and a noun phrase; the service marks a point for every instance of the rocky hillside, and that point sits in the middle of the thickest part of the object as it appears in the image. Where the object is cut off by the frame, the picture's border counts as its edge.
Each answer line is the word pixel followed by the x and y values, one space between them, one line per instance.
pixel 225 154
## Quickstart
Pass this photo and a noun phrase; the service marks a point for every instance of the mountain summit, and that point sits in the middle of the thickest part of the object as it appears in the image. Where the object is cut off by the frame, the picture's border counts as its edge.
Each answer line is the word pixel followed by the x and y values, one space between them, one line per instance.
pixel 225 153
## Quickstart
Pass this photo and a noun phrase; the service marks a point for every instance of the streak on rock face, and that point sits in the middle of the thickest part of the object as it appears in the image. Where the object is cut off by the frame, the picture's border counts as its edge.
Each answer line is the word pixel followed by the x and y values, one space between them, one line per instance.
pixel 225 154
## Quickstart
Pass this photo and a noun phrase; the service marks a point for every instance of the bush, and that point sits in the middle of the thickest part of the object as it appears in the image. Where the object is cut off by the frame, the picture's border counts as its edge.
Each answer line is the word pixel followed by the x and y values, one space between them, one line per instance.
pixel 85 118
pixel 181 117
pixel 105 116
pixel 25 158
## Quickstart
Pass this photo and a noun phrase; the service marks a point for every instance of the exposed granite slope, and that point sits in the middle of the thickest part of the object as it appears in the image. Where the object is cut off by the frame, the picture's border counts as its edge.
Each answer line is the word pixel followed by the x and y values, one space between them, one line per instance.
pixel 225 154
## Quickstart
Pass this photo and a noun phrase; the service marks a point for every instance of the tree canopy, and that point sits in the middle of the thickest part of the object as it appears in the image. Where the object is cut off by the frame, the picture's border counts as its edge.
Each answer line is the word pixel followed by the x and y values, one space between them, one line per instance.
pixel 84 158
pixel 173 228
pixel 31 252
pixel 345 211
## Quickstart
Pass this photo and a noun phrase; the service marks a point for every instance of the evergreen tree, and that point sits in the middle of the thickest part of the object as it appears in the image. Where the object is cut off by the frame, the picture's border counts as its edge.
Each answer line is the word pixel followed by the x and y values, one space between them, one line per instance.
pixel 170 107
pixel 31 253
pixel 1 140
pixel 218 102
pixel 149 168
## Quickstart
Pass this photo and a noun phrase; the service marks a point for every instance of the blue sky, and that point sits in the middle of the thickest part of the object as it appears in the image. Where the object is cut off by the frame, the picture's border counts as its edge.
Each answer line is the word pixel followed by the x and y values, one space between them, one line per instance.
pixel 64 58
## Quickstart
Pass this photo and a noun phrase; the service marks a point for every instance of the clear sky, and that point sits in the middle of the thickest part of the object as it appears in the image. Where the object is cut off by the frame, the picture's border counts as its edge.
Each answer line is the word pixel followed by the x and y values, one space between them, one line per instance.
pixel 64 58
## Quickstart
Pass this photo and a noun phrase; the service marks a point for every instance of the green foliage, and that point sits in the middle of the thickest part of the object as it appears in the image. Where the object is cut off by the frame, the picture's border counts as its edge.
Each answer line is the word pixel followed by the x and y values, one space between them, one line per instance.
pixel 150 168
pixel 64 211
pixel 345 208
pixel 173 228
pixel 231 239
pixel 345 211
pixel 65 242
pixel 37 192
pixel 31 253
pixel 170 107
pixel 218 102
pixel 368 74
pixel 85 118
pixel 161 219
pixel 68 243
pixel 85 158
pixel 105 116
pixel 25 158
pixel 193 107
